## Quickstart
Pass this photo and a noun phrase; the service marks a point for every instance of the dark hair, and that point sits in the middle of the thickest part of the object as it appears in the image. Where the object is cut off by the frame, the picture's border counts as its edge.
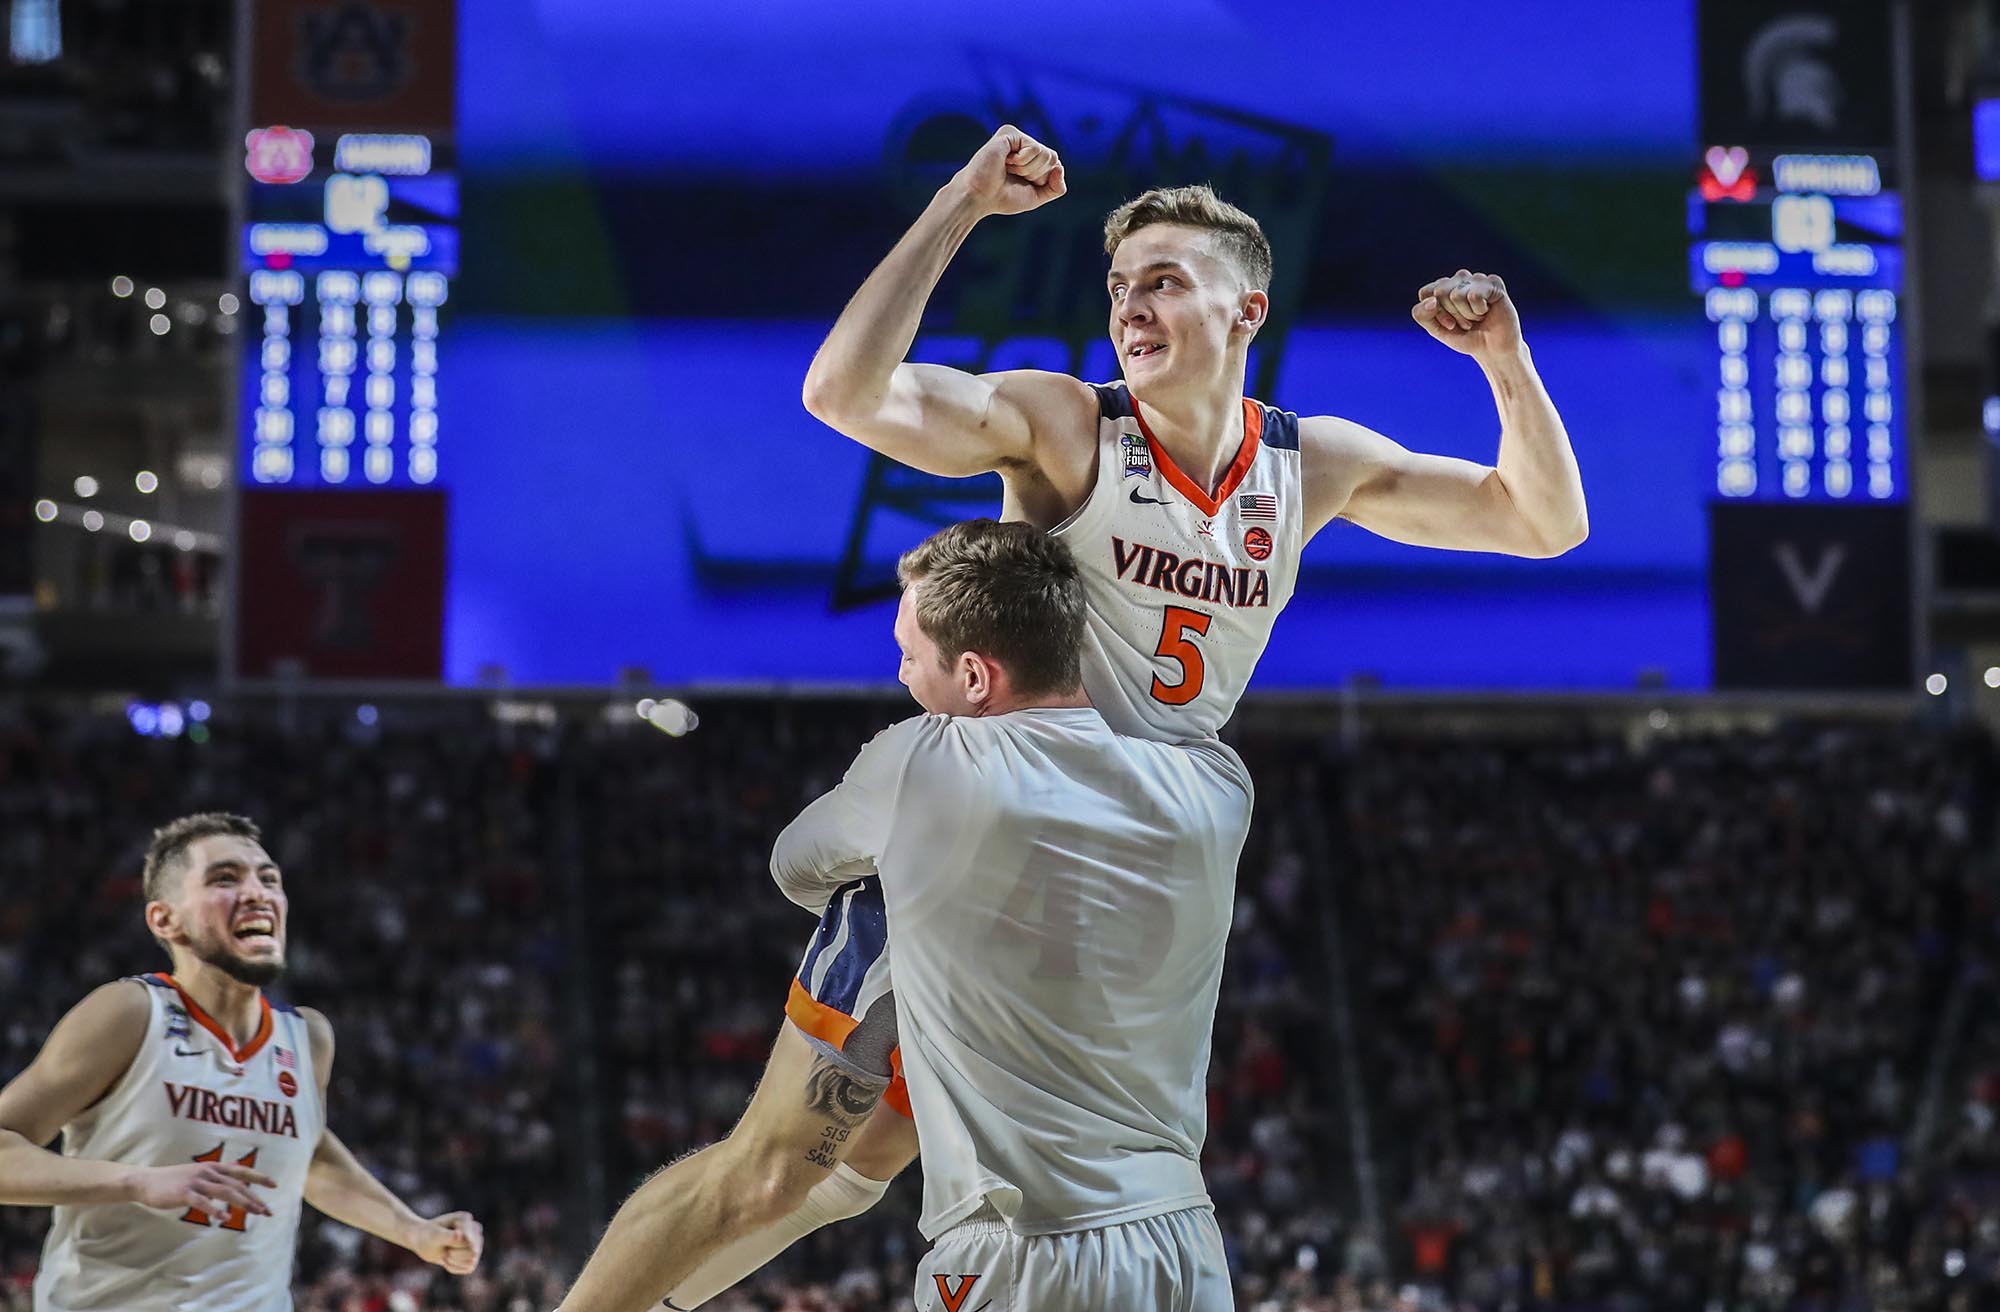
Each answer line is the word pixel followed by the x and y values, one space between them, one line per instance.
pixel 1239 235
pixel 1007 591
pixel 171 842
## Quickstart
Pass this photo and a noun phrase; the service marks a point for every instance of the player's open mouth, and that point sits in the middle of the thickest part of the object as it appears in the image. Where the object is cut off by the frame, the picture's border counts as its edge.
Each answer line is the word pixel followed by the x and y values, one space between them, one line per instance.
pixel 256 928
pixel 1145 349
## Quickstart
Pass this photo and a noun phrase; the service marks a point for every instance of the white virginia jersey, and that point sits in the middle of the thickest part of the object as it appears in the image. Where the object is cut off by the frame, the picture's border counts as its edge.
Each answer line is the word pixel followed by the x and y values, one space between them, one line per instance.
pixel 1183 588
pixel 1059 898
pixel 191 1095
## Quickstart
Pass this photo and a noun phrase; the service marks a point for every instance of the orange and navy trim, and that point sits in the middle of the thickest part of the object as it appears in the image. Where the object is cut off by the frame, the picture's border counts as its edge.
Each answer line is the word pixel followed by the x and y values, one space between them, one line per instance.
pixel 213 1026
pixel 1263 425
pixel 1253 427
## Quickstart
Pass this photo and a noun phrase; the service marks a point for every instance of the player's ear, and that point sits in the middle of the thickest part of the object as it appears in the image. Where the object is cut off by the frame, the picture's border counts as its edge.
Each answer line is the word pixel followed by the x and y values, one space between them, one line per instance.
pixel 161 921
pixel 977 677
pixel 1255 309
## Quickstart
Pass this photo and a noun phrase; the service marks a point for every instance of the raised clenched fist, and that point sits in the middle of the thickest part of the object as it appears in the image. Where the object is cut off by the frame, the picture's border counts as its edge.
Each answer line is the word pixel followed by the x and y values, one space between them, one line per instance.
pixel 1469 312
pixel 1012 173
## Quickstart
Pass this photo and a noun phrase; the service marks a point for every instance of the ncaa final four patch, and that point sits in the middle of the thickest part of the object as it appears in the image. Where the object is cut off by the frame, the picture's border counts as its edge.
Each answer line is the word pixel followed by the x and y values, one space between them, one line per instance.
pixel 1138 456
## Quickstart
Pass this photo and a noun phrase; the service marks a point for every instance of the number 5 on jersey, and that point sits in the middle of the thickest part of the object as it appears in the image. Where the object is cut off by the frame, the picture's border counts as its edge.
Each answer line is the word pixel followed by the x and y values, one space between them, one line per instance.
pixel 1176 645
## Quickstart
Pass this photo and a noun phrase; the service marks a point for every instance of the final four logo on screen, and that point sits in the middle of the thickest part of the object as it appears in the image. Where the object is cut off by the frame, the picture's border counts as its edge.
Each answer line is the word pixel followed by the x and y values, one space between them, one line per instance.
pixel 354 52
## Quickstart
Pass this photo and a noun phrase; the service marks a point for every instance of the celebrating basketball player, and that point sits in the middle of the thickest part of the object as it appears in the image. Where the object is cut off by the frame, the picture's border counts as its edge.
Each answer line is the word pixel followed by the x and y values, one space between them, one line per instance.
pixel 193 1110
pixel 1060 896
pixel 1187 506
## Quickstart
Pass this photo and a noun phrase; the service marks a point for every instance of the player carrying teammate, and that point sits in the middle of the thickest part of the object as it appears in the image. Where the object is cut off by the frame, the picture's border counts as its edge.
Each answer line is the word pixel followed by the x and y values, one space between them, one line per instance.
pixel 1187 506
pixel 193 1110
pixel 1059 896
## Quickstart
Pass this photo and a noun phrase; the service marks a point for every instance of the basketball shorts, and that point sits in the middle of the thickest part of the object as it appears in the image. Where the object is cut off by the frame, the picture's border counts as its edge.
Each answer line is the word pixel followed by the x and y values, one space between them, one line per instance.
pixel 840 999
pixel 1173 1262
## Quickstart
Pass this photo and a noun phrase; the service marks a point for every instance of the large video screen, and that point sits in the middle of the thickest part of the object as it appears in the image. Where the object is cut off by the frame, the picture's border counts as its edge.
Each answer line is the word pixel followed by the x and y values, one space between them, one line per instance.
pixel 664 208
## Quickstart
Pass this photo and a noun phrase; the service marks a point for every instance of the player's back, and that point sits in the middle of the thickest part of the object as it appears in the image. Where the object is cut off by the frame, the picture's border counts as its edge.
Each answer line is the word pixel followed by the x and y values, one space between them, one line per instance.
pixel 1060 899
pixel 1183 588
pixel 191 1095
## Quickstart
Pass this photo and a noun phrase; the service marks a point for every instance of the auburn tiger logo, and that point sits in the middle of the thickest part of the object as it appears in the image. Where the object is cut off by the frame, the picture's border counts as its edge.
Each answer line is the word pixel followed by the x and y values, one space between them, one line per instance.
pixel 954 1299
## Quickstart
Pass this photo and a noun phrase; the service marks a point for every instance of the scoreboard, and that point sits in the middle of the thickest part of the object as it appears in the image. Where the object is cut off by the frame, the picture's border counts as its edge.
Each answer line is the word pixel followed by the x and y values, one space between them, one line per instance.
pixel 1799 261
pixel 1795 249
pixel 349 247
pixel 348 254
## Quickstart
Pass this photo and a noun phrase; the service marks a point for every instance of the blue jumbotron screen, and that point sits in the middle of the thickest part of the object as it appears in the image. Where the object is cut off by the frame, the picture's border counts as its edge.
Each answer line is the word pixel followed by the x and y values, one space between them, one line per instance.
pixel 663 211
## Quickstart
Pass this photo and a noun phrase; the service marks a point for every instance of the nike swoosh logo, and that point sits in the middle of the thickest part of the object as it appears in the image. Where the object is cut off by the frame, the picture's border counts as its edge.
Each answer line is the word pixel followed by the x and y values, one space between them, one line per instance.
pixel 1138 500
pixel 183 1052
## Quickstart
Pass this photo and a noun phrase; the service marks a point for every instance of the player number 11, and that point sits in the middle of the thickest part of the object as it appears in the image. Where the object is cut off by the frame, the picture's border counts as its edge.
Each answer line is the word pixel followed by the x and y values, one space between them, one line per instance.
pixel 235 1219
pixel 1176 645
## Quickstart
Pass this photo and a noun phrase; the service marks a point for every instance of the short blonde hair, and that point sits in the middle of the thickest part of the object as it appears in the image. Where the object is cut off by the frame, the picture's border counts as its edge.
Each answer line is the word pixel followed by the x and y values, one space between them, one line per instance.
pixel 1008 591
pixel 1239 235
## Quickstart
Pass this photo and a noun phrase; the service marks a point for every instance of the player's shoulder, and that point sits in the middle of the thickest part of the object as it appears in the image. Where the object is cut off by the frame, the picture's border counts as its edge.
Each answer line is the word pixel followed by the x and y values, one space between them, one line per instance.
pixel 111 1017
pixel 904 735
pixel 1045 394
pixel 1277 428
pixel 122 999
pixel 1333 435
pixel 890 748
pixel 319 1031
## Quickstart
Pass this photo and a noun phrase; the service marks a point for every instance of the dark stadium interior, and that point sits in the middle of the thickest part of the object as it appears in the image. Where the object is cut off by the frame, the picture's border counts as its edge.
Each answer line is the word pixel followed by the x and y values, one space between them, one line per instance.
pixel 1615 934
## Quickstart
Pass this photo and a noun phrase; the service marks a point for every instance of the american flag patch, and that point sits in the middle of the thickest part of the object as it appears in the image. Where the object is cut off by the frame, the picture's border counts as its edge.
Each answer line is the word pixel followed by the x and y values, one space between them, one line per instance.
pixel 286 1061
pixel 1257 505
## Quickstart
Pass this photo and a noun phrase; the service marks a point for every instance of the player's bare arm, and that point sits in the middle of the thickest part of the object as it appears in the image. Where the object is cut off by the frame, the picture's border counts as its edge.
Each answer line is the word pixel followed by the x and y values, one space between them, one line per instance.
pixel 1529 502
pixel 340 1187
pixel 86 1053
pixel 1029 425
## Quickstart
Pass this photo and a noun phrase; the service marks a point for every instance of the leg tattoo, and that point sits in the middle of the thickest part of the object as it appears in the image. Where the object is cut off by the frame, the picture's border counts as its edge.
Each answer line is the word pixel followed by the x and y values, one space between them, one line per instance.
pixel 844 1101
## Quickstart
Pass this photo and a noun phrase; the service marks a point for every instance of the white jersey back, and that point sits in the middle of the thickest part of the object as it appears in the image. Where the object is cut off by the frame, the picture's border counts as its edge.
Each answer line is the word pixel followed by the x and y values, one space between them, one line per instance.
pixel 191 1095
pixel 1059 897
pixel 1183 587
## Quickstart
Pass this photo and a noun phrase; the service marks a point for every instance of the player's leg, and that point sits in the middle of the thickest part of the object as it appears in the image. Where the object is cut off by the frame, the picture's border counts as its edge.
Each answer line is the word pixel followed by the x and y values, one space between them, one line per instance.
pixel 828 1071
pixel 840 1005
pixel 878 1152
pixel 885 1145
pixel 789 1140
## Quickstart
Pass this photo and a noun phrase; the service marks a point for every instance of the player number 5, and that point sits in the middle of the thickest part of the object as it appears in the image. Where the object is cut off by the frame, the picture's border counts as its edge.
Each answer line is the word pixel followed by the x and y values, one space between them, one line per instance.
pixel 1176 645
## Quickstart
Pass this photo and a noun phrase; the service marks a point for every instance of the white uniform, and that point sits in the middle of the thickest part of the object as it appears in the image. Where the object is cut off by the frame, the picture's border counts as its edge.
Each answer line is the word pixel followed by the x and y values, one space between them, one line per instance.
pixel 1183 588
pixel 191 1095
pixel 1060 898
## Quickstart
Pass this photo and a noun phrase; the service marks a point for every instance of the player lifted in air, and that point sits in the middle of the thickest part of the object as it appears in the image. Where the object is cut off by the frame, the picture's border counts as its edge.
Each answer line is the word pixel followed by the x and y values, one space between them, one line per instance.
pixel 1187 506
pixel 193 1111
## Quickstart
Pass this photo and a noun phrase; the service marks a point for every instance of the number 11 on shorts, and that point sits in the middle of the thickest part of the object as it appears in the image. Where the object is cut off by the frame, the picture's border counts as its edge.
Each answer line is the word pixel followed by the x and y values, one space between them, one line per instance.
pixel 1176 645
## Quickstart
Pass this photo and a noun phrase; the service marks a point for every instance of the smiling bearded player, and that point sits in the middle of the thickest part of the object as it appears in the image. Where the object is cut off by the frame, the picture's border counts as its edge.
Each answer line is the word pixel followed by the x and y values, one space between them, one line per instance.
pixel 1187 505
pixel 193 1111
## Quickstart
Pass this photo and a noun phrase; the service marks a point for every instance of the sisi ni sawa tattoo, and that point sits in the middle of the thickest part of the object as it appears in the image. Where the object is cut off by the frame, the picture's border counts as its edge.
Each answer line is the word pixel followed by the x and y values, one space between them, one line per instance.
pixel 844 1101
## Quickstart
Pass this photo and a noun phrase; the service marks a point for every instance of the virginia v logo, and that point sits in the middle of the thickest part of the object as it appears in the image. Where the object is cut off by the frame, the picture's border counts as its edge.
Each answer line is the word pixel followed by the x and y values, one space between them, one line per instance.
pixel 1810 588
pixel 954 1299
